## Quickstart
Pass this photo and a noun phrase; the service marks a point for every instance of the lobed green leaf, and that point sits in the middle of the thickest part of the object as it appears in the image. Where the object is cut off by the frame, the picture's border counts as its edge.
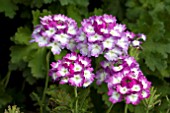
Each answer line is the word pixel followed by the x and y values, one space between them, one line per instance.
pixel 38 63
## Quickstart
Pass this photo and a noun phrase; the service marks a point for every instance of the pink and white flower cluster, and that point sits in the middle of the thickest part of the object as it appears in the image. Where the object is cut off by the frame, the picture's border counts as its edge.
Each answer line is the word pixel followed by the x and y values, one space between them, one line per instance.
pixel 57 32
pixel 98 35
pixel 125 80
pixel 73 69
pixel 103 35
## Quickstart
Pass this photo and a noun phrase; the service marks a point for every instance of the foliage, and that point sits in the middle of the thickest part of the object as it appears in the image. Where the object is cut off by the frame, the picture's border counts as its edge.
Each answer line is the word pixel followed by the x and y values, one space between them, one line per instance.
pixel 26 53
pixel 63 101
pixel 148 17
pixel 5 98
pixel 10 12
pixel 152 100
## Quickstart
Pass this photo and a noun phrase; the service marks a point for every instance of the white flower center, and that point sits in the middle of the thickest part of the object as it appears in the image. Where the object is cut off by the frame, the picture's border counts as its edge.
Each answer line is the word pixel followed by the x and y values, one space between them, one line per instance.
pixel 135 88
pixel 123 90
pixel 77 68
pixel 114 33
pixel 135 43
pixel 118 68
pixel 133 97
pixel 115 95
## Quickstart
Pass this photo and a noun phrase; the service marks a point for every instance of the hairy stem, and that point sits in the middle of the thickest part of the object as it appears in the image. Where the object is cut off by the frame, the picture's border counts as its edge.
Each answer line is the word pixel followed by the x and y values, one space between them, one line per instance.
pixel 147 111
pixel 76 95
pixel 7 77
pixel 126 108
pixel 110 108
pixel 46 83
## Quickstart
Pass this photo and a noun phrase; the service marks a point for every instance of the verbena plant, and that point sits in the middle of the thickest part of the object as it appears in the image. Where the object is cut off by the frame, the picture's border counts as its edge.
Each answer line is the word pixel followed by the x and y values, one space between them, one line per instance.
pixel 97 50
pixel 148 17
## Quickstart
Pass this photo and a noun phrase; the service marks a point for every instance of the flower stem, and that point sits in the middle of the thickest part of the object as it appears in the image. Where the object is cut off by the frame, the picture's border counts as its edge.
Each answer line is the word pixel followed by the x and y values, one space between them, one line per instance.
pixel 147 111
pixel 7 78
pixel 110 108
pixel 76 106
pixel 126 108
pixel 46 82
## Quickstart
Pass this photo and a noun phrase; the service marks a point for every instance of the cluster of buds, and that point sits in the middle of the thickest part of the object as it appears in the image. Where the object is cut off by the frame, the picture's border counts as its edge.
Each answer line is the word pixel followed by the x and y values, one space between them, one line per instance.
pixel 125 80
pixel 73 69
pixel 57 32
pixel 102 35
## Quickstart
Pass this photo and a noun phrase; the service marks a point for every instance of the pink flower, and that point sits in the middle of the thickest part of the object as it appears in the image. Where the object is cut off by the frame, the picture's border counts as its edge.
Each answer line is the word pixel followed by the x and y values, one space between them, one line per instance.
pixel 57 32
pixel 73 69
pixel 124 80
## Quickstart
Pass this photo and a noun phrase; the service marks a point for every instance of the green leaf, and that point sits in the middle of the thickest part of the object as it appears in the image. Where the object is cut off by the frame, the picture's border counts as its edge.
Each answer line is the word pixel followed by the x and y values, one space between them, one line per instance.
pixel 21 65
pixel 101 88
pixel 156 56
pixel 37 14
pixel 157 30
pixel 131 3
pixel 28 76
pixel 98 11
pixel 60 108
pixel 158 7
pixel 61 94
pixel 140 109
pixel 37 3
pixel 21 53
pixel 154 61
pixel 84 3
pixel 74 13
pixel 61 55
pixel 64 2
pixel 131 108
pixel 38 63
pixel 161 86
pixel 96 62
pixel 165 72
pixel 167 8
pixel 22 36
pixel 134 13
pixel 114 7
pixel 153 100
pixel 5 98
pixel 105 98
pixel 35 97
pixel 48 1
pixel 85 103
pixel 8 7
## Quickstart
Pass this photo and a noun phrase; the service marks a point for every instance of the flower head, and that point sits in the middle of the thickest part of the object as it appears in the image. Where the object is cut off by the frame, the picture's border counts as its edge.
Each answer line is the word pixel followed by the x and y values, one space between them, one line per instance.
pixel 124 79
pixel 103 35
pixel 57 32
pixel 73 69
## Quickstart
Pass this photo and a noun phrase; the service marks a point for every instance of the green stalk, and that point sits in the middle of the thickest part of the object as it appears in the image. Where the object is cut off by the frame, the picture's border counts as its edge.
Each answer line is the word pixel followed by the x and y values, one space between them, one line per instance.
pixel 147 110
pixel 110 108
pixel 7 77
pixel 46 83
pixel 76 95
pixel 126 108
